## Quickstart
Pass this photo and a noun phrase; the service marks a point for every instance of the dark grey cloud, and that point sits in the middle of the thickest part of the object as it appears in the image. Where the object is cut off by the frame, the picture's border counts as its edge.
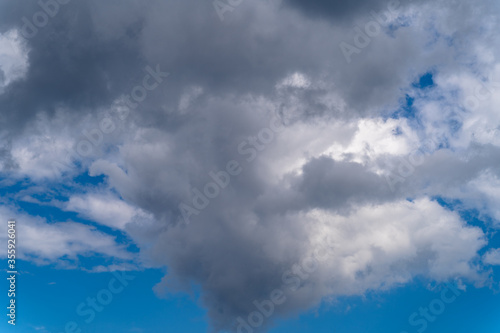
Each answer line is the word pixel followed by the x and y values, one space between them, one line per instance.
pixel 71 65
pixel 90 53
pixel 2 77
pixel 328 184
pixel 337 10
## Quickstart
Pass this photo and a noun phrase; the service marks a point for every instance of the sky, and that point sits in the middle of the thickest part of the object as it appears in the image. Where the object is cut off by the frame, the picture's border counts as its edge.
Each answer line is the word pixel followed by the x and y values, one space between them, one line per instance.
pixel 242 166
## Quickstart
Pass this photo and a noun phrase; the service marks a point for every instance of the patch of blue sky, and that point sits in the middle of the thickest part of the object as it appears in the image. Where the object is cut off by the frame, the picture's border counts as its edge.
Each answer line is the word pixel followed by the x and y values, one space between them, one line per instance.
pixel 86 179
pixel 390 311
pixel 425 81
pixel 407 110
pixel 418 89
pixel 48 299
pixel 471 216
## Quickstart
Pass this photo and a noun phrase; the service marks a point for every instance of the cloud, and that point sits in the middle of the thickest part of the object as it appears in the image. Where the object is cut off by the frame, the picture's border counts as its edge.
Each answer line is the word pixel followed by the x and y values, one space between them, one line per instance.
pixel 105 209
pixel 492 257
pixel 346 128
pixel 338 10
pixel 63 73
pixel 13 58
pixel 59 242
pixel 376 247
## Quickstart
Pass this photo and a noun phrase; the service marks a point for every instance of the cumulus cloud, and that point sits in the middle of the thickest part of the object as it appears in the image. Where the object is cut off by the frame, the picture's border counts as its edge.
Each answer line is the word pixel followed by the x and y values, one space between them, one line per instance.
pixel 349 154
pixel 376 247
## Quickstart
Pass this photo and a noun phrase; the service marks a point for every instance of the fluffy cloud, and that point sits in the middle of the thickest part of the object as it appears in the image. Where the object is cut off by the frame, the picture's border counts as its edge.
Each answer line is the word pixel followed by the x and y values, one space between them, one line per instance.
pixel 345 129
pixel 492 257
pixel 104 209
pixel 375 247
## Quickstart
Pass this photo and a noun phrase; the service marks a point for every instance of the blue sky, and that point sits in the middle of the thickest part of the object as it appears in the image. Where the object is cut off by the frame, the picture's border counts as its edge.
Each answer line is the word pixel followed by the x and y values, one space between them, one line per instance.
pixel 61 291
pixel 239 167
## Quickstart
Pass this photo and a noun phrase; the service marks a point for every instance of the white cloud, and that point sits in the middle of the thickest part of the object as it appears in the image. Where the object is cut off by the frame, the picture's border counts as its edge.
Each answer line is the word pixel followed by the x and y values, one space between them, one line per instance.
pixel 388 244
pixel 13 58
pixel 104 208
pixel 295 80
pixel 492 257
pixel 56 242
pixel 376 137
pixel 481 193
